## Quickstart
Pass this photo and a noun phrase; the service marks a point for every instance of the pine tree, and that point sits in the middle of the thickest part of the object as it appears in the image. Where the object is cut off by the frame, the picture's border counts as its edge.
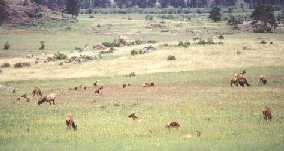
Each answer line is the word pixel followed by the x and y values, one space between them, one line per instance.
pixel 215 14
pixel 3 11
pixel 72 7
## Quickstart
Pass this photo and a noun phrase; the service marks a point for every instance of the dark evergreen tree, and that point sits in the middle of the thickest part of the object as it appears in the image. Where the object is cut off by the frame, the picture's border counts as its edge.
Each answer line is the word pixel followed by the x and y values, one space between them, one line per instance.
pixel 264 19
pixel 215 14
pixel 3 11
pixel 72 7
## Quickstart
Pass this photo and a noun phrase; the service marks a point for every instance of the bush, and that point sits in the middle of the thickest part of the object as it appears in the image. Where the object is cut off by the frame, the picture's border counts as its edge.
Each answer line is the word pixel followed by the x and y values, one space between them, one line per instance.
pixel 42 45
pixel 215 14
pixel 149 17
pixel 170 57
pixel 22 64
pixel 263 42
pixel 7 46
pixel 60 56
pixel 5 65
pixel 133 52
pixel 220 37
pixel 91 16
pixel 184 44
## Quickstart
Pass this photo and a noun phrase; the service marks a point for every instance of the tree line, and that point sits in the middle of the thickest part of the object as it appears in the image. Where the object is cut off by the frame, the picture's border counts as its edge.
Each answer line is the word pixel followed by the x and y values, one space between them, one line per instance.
pixel 86 4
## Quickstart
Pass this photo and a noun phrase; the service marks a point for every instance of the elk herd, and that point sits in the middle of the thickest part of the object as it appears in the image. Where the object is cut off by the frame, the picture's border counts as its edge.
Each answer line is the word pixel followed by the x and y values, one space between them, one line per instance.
pixel 237 80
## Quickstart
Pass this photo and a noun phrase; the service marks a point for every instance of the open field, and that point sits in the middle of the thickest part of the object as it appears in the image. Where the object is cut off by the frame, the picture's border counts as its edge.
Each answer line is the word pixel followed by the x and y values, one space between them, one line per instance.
pixel 193 90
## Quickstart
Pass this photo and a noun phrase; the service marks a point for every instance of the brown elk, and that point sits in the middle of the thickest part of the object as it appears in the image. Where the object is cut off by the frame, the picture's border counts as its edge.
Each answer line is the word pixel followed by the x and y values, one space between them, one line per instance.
pixel 262 80
pixel 133 116
pixel 49 99
pixel 267 113
pixel 239 79
pixel 175 125
pixel 70 124
pixel 149 84
pixel 37 92
pixel 98 91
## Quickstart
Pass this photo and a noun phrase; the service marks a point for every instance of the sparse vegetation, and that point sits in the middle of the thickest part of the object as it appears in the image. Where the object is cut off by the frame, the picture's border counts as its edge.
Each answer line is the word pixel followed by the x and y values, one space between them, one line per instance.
pixel 22 65
pixel 5 65
pixel 60 56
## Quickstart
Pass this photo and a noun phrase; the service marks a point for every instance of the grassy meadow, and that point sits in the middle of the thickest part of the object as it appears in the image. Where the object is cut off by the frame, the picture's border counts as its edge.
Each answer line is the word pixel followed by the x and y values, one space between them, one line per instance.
pixel 193 90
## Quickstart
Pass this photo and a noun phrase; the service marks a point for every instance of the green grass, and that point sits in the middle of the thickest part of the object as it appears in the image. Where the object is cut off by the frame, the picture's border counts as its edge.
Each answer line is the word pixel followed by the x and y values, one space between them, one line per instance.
pixel 194 90
pixel 229 118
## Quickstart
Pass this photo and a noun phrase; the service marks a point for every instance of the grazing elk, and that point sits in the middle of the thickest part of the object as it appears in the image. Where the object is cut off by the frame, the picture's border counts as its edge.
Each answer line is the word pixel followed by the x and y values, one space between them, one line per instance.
pixel 126 85
pixel 239 79
pixel 37 92
pixel 262 80
pixel 133 116
pixel 267 113
pixel 149 84
pixel 98 91
pixel 95 84
pixel 70 124
pixel 48 99
pixel 175 125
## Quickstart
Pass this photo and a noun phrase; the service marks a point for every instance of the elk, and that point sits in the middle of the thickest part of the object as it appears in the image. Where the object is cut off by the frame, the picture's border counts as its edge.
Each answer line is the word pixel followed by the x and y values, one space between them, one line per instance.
pixel 262 80
pixel 49 99
pixel 70 124
pixel 267 113
pixel 37 92
pixel 98 91
pixel 175 125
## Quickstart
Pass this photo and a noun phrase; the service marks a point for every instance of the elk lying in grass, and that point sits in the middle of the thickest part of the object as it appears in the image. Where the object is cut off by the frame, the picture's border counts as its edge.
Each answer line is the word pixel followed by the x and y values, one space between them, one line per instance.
pixel 171 125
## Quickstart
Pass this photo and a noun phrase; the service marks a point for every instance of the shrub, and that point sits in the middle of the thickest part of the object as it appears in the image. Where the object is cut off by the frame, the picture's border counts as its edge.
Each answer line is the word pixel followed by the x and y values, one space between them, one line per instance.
pixel 263 42
pixel 133 52
pixel 60 56
pixel 22 64
pixel 0 71
pixel 5 65
pixel 42 45
pixel 149 17
pixel 7 45
pixel 170 57
pixel 220 37
pixel 265 15
pixel 91 16
pixel 184 44
pixel 215 14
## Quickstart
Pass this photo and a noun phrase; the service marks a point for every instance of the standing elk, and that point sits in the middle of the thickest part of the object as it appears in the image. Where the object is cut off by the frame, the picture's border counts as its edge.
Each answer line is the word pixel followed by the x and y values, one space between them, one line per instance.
pixel 262 80
pixel 37 92
pixel 267 113
pixel 70 124
pixel 48 99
